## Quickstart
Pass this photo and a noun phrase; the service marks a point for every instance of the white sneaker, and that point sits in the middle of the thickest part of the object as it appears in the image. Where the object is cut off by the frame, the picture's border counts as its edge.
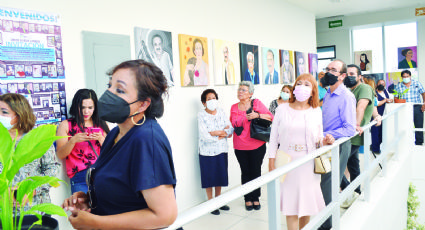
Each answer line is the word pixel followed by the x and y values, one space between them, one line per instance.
pixel 350 200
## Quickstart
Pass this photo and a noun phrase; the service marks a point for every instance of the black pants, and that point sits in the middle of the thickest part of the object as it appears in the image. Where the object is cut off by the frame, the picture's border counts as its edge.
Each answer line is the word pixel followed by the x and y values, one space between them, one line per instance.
pixel 250 162
pixel 353 166
pixel 418 119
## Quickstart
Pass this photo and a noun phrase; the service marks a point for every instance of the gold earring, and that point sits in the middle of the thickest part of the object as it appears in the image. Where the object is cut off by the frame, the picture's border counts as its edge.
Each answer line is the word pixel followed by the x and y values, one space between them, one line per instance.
pixel 132 119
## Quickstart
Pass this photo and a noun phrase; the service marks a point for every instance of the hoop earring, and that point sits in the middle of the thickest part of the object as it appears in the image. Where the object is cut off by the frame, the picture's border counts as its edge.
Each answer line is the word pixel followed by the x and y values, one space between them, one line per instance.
pixel 132 119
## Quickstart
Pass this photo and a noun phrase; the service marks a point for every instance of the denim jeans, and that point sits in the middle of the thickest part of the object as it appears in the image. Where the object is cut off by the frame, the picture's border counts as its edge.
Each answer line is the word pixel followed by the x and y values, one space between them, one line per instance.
pixel 78 182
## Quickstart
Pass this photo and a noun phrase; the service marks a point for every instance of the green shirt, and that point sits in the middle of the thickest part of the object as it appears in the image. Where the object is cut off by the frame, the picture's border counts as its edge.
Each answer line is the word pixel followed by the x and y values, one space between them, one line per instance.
pixel 363 91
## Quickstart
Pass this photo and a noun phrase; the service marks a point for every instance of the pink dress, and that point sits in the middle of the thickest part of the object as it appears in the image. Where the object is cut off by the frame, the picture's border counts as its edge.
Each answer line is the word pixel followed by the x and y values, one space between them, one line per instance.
pixel 301 194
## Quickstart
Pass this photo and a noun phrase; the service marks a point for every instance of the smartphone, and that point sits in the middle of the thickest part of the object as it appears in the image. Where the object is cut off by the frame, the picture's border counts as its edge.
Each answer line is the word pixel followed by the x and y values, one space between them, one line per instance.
pixel 95 130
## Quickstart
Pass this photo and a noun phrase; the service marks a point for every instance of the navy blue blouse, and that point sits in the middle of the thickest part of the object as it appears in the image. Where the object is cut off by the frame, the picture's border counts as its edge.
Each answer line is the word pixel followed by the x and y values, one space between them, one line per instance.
pixel 140 160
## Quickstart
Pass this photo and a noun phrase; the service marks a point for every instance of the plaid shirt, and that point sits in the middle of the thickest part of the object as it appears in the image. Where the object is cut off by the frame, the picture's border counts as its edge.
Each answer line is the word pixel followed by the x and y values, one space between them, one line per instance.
pixel 414 93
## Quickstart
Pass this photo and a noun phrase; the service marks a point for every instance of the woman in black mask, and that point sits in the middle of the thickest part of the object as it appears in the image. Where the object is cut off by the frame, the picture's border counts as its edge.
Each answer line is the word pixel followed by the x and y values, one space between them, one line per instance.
pixel 131 185
pixel 376 131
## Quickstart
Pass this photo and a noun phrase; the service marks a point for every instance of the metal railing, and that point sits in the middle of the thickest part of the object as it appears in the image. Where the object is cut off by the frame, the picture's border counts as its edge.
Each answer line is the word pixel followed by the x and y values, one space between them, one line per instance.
pixel 273 183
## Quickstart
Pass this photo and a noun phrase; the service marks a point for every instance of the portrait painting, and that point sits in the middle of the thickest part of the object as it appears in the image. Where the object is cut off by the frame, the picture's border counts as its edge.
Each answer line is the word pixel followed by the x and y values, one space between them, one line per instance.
pixel 287 70
pixel 226 62
pixel 407 57
pixel 155 46
pixel 249 63
pixel 363 59
pixel 270 65
pixel 194 68
pixel 313 65
pixel 301 63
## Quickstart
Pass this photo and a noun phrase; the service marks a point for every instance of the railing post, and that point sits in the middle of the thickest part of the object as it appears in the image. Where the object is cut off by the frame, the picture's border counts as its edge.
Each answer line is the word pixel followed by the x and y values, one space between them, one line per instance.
pixel 273 199
pixel 396 131
pixel 335 187
pixel 367 163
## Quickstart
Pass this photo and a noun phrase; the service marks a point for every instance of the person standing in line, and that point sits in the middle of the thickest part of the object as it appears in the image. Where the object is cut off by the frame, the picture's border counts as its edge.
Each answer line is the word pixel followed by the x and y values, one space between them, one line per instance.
pixel 339 120
pixel 214 128
pixel 298 130
pixel 376 131
pixel 285 95
pixel 416 90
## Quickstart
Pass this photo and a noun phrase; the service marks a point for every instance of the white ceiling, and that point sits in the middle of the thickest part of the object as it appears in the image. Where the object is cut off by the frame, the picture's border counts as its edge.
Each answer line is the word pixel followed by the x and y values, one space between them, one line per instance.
pixel 329 8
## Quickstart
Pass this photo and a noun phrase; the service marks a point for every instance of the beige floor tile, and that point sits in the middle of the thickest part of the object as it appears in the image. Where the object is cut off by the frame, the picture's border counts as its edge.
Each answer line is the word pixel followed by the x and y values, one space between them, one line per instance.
pixel 212 222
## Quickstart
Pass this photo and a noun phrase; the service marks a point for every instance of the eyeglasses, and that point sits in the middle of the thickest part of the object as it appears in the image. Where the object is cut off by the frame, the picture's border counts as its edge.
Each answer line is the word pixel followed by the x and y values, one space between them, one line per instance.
pixel 90 192
pixel 332 70
pixel 242 90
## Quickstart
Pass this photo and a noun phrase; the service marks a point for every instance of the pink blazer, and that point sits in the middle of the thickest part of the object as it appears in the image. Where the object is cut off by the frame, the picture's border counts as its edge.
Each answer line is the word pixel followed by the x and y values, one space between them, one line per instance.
pixel 314 130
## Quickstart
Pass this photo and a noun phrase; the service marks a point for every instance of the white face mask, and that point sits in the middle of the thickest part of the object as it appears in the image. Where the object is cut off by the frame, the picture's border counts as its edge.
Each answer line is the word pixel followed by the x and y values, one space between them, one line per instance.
pixel 212 104
pixel 5 121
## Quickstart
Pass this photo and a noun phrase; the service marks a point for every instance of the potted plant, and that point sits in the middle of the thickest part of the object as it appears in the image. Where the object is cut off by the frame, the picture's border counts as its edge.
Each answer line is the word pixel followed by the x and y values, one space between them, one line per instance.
pixel 399 95
pixel 32 146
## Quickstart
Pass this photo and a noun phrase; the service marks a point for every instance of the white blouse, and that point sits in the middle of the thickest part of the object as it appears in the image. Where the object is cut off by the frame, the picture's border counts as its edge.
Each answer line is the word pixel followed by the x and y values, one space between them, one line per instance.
pixel 211 145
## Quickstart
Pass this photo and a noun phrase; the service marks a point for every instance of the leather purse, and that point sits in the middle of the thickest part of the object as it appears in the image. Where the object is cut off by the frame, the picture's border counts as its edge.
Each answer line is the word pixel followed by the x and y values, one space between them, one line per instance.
pixel 260 128
pixel 322 165
pixel 282 159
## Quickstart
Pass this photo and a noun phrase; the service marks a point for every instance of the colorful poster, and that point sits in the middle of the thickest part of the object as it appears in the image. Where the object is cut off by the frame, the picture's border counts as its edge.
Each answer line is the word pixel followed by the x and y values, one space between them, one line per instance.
pixel 407 57
pixel 249 63
pixel 31 45
pixel 194 68
pixel 363 59
pixel 270 66
pixel 155 46
pixel 287 70
pixel 226 62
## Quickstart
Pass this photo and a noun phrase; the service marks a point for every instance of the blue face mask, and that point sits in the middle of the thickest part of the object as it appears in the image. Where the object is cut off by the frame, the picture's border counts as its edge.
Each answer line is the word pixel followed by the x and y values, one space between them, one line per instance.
pixel 406 80
pixel 284 96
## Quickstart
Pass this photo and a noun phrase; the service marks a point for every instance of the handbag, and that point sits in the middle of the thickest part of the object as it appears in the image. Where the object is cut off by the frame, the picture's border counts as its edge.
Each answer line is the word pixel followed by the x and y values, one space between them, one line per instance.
pixel 282 159
pixel 322 165
pixel 260 128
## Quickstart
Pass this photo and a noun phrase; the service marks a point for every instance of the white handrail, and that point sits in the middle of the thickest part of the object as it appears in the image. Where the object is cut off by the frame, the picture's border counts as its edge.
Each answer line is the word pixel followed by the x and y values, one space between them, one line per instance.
pixel 273 177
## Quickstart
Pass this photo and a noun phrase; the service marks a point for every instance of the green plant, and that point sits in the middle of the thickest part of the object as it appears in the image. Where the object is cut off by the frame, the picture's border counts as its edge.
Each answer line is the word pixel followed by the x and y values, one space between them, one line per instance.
pixel 400 94
pixel 32 146
pixel 412 207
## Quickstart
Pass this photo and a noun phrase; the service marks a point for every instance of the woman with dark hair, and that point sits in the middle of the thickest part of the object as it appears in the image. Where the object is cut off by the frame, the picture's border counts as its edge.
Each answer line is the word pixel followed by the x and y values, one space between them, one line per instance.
pixel 196 72
pixel 17 116
pixel 376 131
pixel 214 129
pixel 87 133
pixel 407 62
pixel 285 95
pixel 363 62
pixel 131 186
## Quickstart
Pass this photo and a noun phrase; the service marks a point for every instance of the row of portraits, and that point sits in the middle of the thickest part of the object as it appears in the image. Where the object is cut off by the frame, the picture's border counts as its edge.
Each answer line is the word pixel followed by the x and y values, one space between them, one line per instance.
pixel 233 62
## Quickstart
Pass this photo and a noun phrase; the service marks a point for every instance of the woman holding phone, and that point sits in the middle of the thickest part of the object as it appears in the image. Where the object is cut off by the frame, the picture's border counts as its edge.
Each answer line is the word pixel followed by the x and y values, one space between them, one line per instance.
pixel 87 133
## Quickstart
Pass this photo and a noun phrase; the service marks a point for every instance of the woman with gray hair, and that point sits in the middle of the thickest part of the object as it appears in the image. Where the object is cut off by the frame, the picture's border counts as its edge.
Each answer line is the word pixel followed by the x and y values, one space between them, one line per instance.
pixel 249 152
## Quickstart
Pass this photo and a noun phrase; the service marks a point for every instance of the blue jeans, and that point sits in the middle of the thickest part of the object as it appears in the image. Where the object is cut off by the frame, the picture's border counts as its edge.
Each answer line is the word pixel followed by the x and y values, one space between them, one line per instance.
pixel 78 182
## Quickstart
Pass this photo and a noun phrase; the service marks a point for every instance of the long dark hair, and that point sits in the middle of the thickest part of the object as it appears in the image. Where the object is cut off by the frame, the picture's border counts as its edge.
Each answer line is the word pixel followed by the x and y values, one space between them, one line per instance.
pixel 76 111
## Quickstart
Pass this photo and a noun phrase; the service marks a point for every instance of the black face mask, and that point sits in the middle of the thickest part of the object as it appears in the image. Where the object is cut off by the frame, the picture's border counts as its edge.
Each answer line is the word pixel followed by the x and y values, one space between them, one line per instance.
pixel 380 87
pixel 350 81
pixel 113 108
pixel 329 79
pixel 238 130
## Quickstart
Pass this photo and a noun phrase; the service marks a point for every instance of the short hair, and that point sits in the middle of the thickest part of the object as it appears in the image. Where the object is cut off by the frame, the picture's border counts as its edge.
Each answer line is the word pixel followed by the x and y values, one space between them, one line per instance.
pixel 404 52
pixel 313 101
pixel 248 84
pixel 359 71
pixel 20 105
pixel 205 94
pixel 76 111
pixel 288 87
pixel 250 54
pixel 156 36
pixel 344 66
pixel 270 51
pixel 406 71
pixel 194 43
pixel 151 83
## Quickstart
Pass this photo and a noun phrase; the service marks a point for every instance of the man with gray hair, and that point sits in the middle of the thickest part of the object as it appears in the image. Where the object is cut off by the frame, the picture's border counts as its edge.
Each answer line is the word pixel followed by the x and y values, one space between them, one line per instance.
pixel 227 68
pixel 250 74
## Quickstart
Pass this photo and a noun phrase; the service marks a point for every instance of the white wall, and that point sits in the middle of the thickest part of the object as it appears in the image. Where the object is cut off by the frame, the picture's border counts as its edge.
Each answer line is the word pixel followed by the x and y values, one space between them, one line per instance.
pixel 271 23
pixel 341 36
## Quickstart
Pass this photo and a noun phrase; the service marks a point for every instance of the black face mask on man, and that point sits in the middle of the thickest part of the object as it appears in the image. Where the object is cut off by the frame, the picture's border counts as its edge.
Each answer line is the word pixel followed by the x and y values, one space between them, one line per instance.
pixel 329 79
pixel 350 81
pixel 380 87
pixel 113 108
